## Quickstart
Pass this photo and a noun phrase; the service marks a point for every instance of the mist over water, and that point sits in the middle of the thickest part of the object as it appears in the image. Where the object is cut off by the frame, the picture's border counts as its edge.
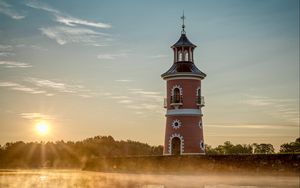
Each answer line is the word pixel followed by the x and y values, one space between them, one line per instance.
pixel 85 179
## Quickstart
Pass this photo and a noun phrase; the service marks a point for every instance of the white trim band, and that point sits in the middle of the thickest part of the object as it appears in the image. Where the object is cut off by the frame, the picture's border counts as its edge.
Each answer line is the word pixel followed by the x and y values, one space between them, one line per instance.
pixel 184 112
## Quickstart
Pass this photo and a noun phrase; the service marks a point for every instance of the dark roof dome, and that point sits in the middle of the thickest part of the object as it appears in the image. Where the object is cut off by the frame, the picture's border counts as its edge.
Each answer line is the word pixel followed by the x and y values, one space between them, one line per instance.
pixel 184 67
pixel 183 41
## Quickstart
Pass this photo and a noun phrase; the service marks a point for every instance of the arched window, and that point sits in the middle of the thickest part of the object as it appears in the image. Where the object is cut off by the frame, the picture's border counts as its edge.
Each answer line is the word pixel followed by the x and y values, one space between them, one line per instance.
pixel 202 146
pixel 199 96
pixel 200 124
pixel 186 55
pixel 179 56
pixel 176 96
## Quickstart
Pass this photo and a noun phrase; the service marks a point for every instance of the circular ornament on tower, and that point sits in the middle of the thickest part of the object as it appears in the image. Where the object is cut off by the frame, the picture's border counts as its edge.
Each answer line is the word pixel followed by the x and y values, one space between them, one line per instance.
pixel 176 124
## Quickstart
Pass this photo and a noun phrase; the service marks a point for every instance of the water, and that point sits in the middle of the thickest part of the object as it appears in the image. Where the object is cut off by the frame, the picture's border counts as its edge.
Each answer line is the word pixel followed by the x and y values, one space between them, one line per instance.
pixel 77 178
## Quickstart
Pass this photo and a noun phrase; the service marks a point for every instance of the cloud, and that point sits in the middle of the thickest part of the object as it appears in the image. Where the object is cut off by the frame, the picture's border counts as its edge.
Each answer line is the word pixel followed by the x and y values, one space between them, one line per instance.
pixel 119 97
pixel 111 56
pixel 158 56
pixel 41 6
pixel 6 50
pixel 73 29
pixel 146 92
pixel 123 80
pixel 141 102
pixel 35 47
pixel 20 87
pixel 7 10
pixel 66 19
pixel 13 64
pixel 279 108
pixel 49 88
pixel 50 84
pixel 63 35
pixel 6 54
pixel 78 90
pixel 258 101
pixel 71 21
pixel 149 102
pixel 253 126
pixel 33 116
pixel 125 101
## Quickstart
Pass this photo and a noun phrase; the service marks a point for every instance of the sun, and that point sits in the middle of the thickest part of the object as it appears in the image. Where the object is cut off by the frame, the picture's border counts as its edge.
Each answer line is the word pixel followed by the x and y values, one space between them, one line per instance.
pixel 42 127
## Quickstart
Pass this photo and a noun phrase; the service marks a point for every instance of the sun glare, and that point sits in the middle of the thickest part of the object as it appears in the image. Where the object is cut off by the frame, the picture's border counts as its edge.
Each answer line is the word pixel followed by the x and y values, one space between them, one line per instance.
pixel 42 128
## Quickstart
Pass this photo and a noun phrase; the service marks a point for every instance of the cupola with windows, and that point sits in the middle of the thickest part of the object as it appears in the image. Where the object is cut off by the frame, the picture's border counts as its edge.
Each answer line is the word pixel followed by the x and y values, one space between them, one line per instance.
pixel 183 64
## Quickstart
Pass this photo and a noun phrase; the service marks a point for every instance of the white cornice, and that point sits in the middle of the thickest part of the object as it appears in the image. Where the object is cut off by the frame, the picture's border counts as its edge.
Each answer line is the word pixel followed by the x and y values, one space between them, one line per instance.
pixel 183 75
pixel 183 78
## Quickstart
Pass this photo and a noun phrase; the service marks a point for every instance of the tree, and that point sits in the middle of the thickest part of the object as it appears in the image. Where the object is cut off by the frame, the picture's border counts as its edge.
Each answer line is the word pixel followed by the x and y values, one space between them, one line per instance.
pixel 292 147
pixel 229 149
pixel 211 151
pixel 263 148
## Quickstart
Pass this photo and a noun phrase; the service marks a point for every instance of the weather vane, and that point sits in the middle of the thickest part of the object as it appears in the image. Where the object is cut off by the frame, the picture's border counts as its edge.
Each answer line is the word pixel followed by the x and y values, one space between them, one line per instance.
pixel 183 26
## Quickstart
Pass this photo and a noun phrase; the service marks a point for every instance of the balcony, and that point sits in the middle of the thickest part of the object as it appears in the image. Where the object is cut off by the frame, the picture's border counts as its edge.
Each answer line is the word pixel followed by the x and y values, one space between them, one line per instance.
pixel 165 103
pixel 176 101
pixel 200 101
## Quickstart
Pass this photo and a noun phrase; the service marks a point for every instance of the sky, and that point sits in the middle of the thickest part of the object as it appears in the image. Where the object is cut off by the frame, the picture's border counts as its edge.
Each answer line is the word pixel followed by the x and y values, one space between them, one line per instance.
pixel 90 68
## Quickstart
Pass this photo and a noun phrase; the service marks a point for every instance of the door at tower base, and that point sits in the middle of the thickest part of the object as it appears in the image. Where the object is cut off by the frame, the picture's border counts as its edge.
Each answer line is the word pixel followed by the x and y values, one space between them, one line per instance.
pixel 176 145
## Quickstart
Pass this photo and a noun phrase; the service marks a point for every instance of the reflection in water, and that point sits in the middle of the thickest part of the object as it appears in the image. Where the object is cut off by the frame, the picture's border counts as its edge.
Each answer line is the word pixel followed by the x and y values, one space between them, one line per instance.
pixel 77 178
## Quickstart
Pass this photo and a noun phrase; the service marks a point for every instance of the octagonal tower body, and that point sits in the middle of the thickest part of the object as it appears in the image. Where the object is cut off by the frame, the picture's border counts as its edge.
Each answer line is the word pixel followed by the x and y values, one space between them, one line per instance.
pixel 184 126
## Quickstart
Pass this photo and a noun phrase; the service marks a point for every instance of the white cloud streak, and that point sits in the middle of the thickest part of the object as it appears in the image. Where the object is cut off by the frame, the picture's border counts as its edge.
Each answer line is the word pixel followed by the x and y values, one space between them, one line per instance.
pixel 7 10
pixel 159 56
pixel 6 54
pixel 6 50
pixel 41 6
pixel 65 19
pixel 34 116
pixel 111 56
pixel 252 126
pixel 125 101
pixel 71 21
pixel 123 80
pixel 63 35
pixel 13 64
pixel 20 87
pixel 78 90
pixel 49 88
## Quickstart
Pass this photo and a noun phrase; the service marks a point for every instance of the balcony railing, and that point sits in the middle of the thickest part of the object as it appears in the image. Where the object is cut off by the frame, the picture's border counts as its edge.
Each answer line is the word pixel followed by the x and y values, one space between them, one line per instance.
pixel 200 101
pixel 176 100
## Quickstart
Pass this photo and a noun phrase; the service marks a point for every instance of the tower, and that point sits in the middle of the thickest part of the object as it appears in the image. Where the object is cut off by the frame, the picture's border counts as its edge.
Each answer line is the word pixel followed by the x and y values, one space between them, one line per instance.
pixel 184 127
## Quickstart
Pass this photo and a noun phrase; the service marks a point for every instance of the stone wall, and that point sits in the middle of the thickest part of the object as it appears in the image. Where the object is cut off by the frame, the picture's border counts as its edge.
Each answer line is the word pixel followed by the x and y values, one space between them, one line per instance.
pixel 258 164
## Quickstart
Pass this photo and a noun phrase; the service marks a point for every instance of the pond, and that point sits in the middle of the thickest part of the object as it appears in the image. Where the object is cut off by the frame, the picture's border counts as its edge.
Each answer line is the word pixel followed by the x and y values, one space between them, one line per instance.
pixel 77 178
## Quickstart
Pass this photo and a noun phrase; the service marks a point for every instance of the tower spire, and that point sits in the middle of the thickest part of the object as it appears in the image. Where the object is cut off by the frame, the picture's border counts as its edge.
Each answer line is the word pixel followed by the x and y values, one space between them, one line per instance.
pixel 183 26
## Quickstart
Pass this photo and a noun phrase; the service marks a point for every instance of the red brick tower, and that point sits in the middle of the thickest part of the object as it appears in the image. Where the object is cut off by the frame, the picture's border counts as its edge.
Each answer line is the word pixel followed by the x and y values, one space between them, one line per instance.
pixel 184 127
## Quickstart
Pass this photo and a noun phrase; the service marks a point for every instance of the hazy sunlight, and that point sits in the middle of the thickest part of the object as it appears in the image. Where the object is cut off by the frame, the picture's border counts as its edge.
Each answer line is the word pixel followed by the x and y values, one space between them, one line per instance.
pixel 42 127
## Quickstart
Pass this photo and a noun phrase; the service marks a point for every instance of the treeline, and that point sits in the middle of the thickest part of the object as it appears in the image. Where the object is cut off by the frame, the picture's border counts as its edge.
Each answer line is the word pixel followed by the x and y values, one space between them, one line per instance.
pixel 230 149
pixel 69 154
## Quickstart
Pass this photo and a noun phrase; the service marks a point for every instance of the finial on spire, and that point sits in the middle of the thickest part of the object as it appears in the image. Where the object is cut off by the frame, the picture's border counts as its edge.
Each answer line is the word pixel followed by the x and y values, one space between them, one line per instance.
pixel 183 26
